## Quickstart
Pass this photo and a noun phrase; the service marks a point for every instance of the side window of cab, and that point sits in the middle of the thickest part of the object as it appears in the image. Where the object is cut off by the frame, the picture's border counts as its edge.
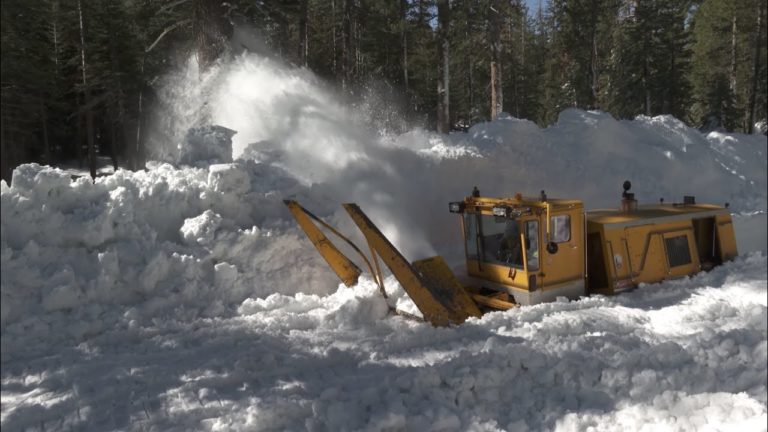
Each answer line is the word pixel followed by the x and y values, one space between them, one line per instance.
pixel 561 228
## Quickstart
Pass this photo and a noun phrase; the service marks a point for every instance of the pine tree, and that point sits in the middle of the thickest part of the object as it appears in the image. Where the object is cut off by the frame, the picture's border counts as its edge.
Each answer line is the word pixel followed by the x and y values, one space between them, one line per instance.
pixel 582 40
pixel 443 66
pixel 651 60
pixel 724 53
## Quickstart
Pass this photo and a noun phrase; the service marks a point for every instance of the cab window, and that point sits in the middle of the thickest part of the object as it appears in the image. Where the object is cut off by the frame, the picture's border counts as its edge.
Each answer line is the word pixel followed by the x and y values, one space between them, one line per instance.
pixel 497 240
pixel 561 228
pixel 532 238
pixel 470 235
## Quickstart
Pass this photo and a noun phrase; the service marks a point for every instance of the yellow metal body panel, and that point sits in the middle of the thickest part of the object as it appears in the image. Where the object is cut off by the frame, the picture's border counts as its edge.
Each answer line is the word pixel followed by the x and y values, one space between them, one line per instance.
pixel 726 237
pixel 568 263
pixel 429 283
pixel 442 284
pixel 347 271
pixel 654 211
pixel 515 279
pixel 658 242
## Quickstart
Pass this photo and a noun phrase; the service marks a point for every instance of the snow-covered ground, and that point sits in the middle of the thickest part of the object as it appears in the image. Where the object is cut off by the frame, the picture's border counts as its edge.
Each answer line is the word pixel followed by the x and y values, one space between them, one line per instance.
pixel 185 298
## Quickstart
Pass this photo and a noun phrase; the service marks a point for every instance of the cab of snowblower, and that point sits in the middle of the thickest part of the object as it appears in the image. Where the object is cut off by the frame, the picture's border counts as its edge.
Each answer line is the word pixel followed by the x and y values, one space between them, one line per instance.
pixel 529 247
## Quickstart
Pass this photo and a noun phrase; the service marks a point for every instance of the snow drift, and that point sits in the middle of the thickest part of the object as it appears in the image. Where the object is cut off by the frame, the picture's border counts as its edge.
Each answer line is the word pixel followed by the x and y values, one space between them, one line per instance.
pixel 184 297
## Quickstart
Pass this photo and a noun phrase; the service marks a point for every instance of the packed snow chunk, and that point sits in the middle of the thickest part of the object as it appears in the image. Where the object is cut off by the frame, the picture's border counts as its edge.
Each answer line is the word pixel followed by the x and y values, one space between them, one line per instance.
pixel 225 276
pixel 67 295
pixel 43 181
pixel 229 179
pixel 156 270
pixel 360 305
pixel 206 145
pixel 200 230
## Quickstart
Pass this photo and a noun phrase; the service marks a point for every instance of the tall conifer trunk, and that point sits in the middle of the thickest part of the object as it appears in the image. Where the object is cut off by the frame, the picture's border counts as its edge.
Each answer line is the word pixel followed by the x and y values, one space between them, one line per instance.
pixel 443 72
pixel 212 31
pixel 404 41
pixel 732 85
pixel 756 64
pixel 497 100
pixel 303 34
pixel 346 53
pixel 470 65
pixel 87 89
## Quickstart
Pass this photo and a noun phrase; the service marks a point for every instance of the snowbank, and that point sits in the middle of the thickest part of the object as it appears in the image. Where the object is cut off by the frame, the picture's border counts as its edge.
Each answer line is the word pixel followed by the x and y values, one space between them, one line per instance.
pixel 184 297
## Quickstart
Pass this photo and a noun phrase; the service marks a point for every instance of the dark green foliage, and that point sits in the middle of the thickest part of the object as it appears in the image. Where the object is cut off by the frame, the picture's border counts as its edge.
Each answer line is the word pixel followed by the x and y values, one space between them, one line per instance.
pixel 725 41
pixel 651 61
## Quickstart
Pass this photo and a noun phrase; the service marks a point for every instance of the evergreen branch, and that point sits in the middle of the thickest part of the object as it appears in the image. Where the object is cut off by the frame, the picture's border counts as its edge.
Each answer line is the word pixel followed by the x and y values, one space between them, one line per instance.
pixel 166 31
pixel 170 6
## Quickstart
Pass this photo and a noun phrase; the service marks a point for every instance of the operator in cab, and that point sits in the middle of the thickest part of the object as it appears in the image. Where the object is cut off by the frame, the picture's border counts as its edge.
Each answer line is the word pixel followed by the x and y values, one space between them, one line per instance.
pixel 510 249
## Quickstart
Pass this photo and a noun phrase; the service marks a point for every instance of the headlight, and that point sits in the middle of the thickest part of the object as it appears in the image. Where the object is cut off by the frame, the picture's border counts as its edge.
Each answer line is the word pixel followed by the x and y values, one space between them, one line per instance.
pixel 456 207
pixel 501 211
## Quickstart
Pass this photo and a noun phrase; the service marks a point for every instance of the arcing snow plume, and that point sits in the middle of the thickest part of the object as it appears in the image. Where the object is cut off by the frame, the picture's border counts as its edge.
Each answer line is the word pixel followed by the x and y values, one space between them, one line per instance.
pixel 185 298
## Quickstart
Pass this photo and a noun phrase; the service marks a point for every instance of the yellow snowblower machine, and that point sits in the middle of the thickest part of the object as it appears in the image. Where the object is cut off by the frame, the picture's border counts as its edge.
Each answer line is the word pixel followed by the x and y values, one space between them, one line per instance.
pixel 529 250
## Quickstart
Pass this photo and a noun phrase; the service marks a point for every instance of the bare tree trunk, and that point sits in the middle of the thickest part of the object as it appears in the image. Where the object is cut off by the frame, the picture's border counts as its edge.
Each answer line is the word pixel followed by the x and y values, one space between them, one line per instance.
pixel 470 66
pixel 346 54
pixel 112 137
pixel 497 99
pixel 138 151
pixel 89 110
pixel 303 34
pixel 594 68
pixel 733 55
pixel 755 69
pixel 114 119
pixel 334 66
pixel 357 32
pixel 5 165
pixel 443 72
pixel 79 135
pixel 404 41
pixel 56 71
pixel 646 89
pixel 44 125
pixel 494 91
pixel 212 31
pixel 522 38
pixel 55 31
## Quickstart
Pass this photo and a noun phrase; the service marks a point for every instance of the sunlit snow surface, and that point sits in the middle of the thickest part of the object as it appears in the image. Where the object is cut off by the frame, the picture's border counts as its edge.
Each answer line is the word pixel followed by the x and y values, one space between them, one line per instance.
pixel 183 298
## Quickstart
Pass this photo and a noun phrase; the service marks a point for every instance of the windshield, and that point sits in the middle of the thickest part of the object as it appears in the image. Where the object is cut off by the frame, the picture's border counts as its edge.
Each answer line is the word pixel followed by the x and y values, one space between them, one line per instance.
pixel 497 240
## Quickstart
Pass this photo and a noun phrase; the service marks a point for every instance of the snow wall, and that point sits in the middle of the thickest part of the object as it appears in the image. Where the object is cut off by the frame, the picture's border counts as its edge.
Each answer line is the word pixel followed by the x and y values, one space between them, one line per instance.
pixel 184 243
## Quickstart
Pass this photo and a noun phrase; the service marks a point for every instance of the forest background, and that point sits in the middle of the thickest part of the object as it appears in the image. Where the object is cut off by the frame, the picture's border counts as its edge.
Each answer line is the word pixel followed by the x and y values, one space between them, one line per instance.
pixel 80 78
